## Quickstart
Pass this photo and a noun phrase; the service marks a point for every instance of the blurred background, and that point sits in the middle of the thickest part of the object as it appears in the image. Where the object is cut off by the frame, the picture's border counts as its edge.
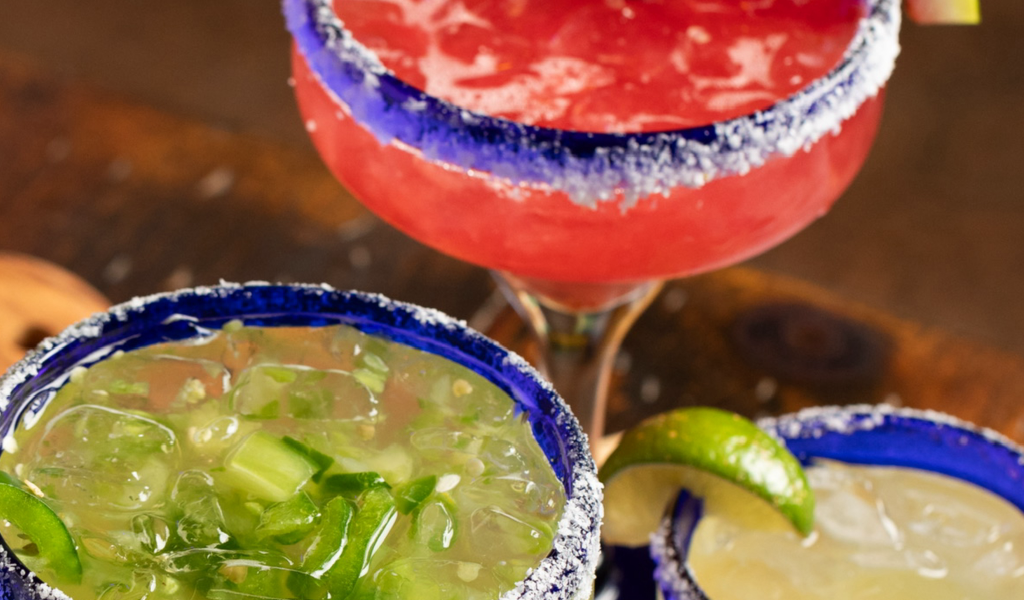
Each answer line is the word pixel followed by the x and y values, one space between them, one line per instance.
pixel 931 231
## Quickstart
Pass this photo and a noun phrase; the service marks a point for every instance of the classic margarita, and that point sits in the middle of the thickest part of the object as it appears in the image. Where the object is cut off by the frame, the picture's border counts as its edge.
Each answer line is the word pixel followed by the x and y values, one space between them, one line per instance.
pixel 564 200
pixel 880 531
pixel 280 462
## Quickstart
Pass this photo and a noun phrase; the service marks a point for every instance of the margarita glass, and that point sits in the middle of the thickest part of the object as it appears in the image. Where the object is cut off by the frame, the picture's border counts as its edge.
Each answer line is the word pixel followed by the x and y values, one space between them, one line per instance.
pixel 923 528
pixel 583 213
pixel 190 315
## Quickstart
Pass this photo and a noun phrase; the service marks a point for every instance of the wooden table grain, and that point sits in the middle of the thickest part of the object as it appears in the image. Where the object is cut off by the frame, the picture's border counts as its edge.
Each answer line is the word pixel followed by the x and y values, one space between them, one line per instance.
pixel 133 201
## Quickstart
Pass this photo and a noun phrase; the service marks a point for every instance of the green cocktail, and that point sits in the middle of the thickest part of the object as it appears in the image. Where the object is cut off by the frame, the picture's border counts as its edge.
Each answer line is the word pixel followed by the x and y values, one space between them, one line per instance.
pixel 284 462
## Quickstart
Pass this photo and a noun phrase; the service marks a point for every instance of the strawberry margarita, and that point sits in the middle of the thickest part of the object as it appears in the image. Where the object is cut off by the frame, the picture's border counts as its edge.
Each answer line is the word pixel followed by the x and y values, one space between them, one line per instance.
pixel 594 141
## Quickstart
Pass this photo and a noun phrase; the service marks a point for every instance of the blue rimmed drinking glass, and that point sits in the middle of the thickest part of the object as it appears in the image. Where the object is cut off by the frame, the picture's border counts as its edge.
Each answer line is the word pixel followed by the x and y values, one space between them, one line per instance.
pixel 565 574
pixel 581 227
pixel 861 435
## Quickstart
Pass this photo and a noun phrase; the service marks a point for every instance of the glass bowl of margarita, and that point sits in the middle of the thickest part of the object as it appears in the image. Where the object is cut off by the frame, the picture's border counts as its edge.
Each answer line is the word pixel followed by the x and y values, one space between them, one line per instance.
pixel 594 142
pixel 288 442
pixel 909 504
pixel 584 150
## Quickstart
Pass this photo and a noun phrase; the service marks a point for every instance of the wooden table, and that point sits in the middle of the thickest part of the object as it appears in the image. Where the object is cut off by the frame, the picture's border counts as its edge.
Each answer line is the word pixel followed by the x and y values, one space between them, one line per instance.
pixel 136 201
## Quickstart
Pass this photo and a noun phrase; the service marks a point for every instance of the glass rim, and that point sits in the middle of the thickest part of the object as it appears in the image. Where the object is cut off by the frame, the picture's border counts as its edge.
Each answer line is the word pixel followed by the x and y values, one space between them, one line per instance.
pixel 566 573
pixel 804 431
pixel 589 167
pixel 938 437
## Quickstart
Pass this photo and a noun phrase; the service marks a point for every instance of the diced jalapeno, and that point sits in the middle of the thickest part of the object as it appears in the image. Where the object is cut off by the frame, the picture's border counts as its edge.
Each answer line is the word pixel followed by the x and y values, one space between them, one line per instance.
pixel 321 460
pixel 351 484
pixel 326 549
pixel 370 525
pixel 288 521
pixel 410 495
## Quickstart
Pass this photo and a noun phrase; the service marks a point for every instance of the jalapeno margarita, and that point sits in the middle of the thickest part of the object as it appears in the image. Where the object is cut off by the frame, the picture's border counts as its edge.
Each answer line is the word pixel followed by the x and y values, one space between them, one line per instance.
pixel 280 462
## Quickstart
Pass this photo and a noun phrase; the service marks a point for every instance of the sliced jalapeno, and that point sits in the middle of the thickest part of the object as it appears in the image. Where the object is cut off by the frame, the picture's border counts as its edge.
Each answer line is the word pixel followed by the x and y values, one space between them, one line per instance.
pixel 37 520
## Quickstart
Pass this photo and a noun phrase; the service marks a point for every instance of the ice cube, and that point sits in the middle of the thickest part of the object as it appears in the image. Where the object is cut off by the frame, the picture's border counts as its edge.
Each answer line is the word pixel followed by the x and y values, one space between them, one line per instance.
pixel 947 521
pixel 432 579
pixel 540 498
pixel 201 520
pixel 1001 562
pixel 501 456
pixel 265 576
pixel 395 463
pixel 850 510
pixel 141 586
pixel 211 433
pixel 211 560
pixel 100 456
pixel 151 532
pixel 439 443
pixel 90 435
pixel 519 536
pixel 270 391
pixel 155 383
pixel 434 524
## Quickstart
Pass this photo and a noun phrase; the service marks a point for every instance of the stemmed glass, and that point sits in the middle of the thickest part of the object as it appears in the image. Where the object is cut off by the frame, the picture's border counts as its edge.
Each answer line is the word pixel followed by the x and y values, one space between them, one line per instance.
pixel 581 226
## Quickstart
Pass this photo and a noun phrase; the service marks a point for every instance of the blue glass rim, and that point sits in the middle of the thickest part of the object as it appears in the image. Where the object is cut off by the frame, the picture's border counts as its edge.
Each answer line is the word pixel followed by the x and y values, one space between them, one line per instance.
pixel 924 439
pixel 871 435
pixel 589 167
pixel 568 570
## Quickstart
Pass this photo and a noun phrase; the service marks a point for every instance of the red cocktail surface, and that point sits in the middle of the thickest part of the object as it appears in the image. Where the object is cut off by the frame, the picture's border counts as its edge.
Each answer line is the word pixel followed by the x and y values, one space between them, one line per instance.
pixel 603 67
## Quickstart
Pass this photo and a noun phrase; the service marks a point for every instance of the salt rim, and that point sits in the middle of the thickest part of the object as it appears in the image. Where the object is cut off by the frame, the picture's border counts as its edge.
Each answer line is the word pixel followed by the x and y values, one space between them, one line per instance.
pixel 567 573
pixel 590 167
pixel 668 569
pixel 675 579
pixel 813 421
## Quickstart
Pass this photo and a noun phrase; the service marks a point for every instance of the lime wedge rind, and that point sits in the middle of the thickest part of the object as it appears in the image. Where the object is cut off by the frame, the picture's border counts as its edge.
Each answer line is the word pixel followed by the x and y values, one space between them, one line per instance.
pixel 708 441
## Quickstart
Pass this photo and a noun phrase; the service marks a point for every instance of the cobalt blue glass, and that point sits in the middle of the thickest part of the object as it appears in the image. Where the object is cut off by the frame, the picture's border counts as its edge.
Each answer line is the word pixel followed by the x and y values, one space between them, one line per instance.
pixel 863 435
pixel 568 571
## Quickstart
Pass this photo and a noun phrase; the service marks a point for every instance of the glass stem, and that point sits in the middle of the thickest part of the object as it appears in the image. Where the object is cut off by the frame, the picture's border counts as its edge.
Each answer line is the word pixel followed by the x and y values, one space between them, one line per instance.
pixel 578 344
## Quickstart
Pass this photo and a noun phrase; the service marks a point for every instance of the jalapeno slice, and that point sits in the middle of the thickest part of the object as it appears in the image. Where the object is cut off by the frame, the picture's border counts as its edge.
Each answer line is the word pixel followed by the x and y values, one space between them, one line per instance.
pixel 37 520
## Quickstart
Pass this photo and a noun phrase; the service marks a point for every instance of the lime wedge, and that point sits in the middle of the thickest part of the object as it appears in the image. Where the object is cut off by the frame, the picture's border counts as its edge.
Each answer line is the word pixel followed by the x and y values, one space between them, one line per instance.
pixel 717 455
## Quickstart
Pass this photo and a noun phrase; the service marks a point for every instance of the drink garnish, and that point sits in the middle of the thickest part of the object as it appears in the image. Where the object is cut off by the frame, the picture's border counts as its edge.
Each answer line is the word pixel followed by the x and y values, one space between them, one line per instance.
pixel 370 524
pixel 944 12
pixel 411 495
pixel 52 541
pixel 717 455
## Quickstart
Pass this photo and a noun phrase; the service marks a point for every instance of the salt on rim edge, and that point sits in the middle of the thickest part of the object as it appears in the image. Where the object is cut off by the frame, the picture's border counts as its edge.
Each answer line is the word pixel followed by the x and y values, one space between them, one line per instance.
pixel 850 418
pixel 568 568
pixel 835 419
pixel 590 167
